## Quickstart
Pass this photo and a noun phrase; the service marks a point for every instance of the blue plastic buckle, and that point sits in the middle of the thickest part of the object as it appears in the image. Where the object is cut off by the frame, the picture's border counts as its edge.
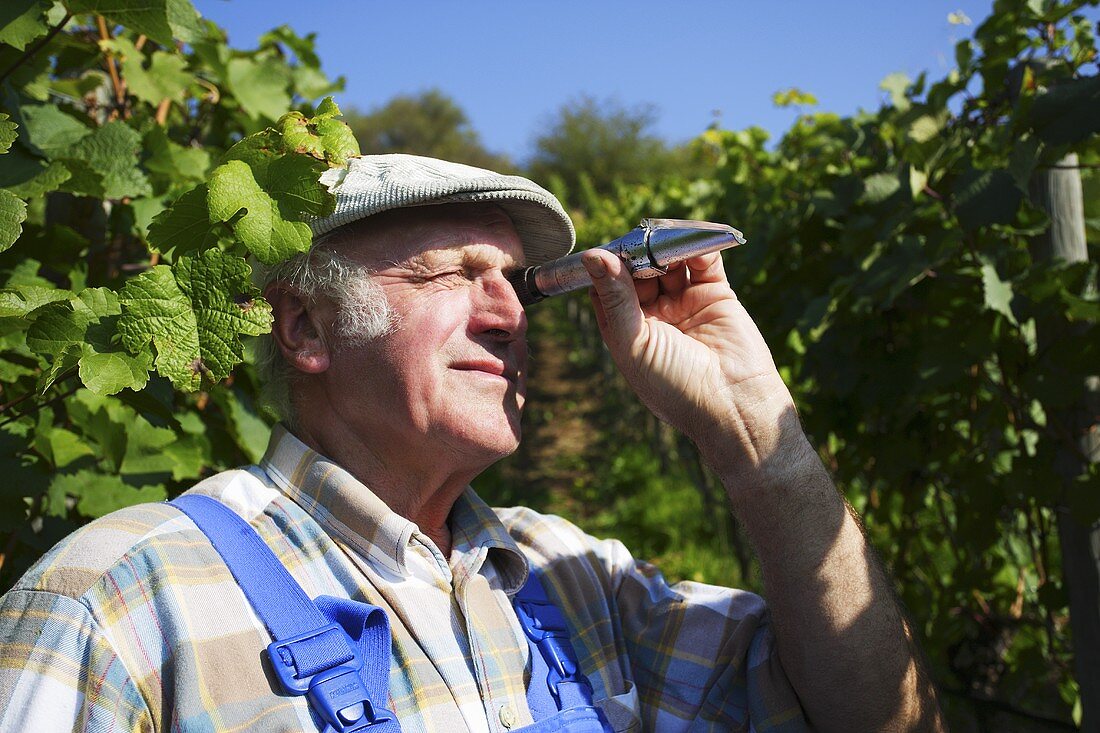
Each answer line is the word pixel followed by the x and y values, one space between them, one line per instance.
pixel 336 694
pixel 547 628
pixel 548 621
pixel 339 697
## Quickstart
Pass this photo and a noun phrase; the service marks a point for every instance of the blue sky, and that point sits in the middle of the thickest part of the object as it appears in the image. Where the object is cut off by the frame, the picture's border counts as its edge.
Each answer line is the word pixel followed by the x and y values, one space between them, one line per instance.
pixel 511 64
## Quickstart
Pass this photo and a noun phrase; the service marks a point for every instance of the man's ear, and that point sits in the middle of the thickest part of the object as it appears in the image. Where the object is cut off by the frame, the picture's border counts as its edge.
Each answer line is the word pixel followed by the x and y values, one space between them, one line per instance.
pixel 298 328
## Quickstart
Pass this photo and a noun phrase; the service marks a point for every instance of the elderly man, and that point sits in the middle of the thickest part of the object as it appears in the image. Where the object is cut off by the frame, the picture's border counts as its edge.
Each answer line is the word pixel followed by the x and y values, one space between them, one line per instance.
pixel 398 351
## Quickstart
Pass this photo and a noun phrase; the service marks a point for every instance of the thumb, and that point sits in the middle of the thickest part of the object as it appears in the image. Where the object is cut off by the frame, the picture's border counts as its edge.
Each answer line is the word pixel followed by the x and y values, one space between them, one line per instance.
pixel 618 312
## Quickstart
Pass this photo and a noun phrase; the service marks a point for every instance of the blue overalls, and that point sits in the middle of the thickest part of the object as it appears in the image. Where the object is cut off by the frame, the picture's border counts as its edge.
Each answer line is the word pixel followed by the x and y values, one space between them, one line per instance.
pixel 336 651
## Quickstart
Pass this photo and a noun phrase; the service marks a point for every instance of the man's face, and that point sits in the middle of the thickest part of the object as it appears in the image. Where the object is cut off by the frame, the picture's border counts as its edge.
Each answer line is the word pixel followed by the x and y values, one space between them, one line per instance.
pixel 451 375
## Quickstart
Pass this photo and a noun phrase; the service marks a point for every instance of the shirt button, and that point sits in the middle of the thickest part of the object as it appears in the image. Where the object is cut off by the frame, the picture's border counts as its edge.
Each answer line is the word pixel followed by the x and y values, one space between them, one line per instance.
pixel 507 716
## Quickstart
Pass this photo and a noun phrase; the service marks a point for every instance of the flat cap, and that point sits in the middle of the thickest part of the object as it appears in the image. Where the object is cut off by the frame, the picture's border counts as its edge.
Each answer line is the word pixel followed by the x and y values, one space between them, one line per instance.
pixel 371 184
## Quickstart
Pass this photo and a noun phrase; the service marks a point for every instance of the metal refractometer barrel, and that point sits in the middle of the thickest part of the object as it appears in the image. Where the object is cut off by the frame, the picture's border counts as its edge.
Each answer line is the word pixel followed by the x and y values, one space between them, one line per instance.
pixel 649 250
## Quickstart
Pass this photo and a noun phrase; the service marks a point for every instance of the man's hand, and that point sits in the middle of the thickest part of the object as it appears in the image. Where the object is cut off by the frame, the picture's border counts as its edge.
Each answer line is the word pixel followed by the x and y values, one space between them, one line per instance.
pixel 693 355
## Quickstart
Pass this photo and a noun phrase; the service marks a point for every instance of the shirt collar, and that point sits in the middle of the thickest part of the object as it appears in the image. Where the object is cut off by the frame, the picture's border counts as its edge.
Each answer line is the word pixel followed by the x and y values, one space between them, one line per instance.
pixel 477 530
pixel 347 509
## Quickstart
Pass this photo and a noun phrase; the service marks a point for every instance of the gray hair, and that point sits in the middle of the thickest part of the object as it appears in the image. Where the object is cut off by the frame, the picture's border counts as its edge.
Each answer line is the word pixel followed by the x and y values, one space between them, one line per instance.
pixel 362 313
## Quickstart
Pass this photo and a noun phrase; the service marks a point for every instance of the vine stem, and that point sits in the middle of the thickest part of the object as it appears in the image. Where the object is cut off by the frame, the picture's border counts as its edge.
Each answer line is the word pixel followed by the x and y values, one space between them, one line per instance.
pixel 34 48
pixel 42 405
pixel 162 111
pixel 65 376
pixel 112 67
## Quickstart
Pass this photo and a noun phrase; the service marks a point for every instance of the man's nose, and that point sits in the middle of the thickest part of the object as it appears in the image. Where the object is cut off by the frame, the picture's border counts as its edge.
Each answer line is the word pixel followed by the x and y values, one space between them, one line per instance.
pixel 498 310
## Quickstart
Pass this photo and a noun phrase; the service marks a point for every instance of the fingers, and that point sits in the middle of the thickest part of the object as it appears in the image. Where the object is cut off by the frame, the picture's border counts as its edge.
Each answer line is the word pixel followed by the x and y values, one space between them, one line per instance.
pixel 675 281
pixel 618 312
pixel 707 268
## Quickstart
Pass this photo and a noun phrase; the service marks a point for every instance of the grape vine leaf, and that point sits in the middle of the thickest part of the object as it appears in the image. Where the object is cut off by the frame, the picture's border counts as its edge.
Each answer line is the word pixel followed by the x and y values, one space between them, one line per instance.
pixel 22 300
pixel 194 313
pixel 880 186
pixel 896 84
pixel 83 330
pixel 98 493
pixel 262 227
pixel 151 449
pixel 324 137
pixel 148 17
pixel 1067 113
pixel 62 447
pixel 260 86
pixel 165 78
pixel 185 21
pixel 21 21
pixel 50 131
pixel 986 197
pixel 998 293
pixel 13 212
pixel 104 164
pixel 185 226
pixel 35 179
pixel 173 160
pixel 7 132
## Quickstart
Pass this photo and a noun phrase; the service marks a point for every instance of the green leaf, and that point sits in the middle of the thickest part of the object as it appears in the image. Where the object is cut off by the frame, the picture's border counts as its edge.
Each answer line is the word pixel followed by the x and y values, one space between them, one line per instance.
pixel 165 78
pixel 1023 159
pixel 879 187
pixel 148 17
pixel 108 372
pixel 918 179
pixel 20 301
pixel 1081 309
pixel 194 313
pixel 925 128
pixel 1066 114
pixel 896 84
pixel 185 21
pixel 185 226
pixel 964 54
pixel 998 293
pixel 99 494
pixel 42 180
pixel 22 21
pixel 13 212
pixel 793 96
pixel 104 164
pixel 50 130
pixel 173 160
pixel 7 132
pixel 986 197
pixel 261 225
pixel 88 323
pixel 251 432
pixel 65 446
pixel 338 140
pixel 160 450
pixel 260 86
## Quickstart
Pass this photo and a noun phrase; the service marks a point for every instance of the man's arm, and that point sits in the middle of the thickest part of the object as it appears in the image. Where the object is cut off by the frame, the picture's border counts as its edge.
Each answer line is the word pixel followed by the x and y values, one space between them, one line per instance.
pixel 694 356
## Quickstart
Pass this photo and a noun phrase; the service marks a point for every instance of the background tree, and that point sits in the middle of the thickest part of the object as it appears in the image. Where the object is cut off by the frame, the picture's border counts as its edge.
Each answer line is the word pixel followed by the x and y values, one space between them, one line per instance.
pixel 429 123
pixel 589 146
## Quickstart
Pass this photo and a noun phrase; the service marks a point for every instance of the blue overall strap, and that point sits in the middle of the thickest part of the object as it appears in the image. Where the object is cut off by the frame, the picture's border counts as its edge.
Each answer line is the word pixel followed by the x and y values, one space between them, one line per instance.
pixel 336 651
pixel 559 695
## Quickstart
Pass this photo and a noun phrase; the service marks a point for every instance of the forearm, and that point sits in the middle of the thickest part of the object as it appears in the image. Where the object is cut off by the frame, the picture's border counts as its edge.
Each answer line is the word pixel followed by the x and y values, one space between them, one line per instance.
pixel 694 356
pixel 841 637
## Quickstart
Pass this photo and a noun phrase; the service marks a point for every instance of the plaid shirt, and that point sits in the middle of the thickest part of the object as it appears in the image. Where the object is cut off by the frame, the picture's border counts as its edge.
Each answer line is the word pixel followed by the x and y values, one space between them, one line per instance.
pixel 135 623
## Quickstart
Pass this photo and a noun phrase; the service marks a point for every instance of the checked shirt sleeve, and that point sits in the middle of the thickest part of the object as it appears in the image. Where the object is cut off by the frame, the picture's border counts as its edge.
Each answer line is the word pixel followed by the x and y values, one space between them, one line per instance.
pixel 703 657
pixel 58 671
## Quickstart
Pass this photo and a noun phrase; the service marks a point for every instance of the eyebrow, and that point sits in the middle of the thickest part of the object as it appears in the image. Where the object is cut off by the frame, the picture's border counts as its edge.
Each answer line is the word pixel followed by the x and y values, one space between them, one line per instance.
pixel 432 259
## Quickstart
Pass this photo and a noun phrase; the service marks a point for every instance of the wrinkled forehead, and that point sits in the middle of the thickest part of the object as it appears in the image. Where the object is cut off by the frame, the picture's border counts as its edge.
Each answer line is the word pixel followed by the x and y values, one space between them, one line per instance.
pixel 411 233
